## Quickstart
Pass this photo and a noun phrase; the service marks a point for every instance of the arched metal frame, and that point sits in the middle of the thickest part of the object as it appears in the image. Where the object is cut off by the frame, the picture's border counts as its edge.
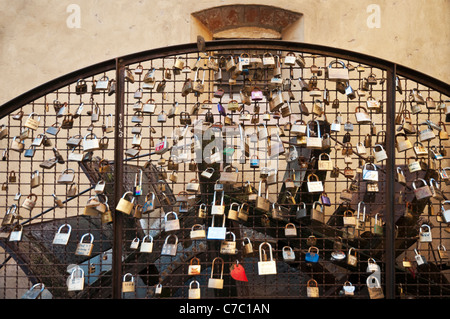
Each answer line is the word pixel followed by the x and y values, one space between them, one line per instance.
pixel 120 64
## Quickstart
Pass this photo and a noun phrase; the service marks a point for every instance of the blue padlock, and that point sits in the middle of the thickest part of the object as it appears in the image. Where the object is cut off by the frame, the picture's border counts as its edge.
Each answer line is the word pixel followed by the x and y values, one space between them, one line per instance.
pixel 312 257
pixel 254 161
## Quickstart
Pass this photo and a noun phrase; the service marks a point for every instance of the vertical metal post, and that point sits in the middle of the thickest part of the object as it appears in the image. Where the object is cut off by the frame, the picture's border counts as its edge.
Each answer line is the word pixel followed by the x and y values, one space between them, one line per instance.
pixel 118 181
pixel 390 184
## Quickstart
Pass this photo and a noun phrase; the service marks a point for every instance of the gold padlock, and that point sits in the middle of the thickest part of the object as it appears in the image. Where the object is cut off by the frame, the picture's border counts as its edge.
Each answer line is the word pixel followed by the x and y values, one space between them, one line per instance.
pixel 124 205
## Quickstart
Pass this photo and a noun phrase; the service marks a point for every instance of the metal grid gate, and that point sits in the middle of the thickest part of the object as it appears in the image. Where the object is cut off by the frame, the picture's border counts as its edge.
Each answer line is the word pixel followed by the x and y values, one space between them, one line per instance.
pixel 250 170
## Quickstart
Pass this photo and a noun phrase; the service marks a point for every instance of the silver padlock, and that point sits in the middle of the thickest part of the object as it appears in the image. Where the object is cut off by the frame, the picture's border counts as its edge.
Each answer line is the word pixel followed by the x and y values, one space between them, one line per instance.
pixel 425 235
pixel 169 249
pixel 60 237
pixel 266 267
pixel 146 244
pixel 172 224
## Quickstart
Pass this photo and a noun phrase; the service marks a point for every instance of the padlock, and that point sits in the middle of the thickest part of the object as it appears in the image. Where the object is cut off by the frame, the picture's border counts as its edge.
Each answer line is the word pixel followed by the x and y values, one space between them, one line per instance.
pixel 85 249
pixel 91 144
pixel 194 293
pixel 248 246
pixel 67 176
pixel 31 122
pixel 349 219
pixel 216 283
pixel 288 254
pixel 361 220
pixel 301 211
pixel 172 224
pixel 194 269
pixel 128 285
pixel 378 226
pixel 325 164
pixel 314 186
pixel 426 134
pixel 216 232
pixel 423 192
pixel 436 192
pixel 146 244
pixel 197 232
pixel 312 289
pixel 30 202
pixel 169 249
pixel 404 144
pixel 218 208
pixel 290 230
pixel 233 212
pixel 243 211
pixel 162 146
pixel 374 287
pixel 362 117
pixel 262 202
pixel 442 251
pixel 254 161
pixel 337 74
pixel 352 259
pixel 10 216
pixel 125 206
pixel 379 153
pixel 266 267
pixel 420 260
pixel 317 212
pixel 135 243
pixel 75 282
pixel 312 256
pixel 425 235
pixel 228 247
pixel 316 141
pixel 229 175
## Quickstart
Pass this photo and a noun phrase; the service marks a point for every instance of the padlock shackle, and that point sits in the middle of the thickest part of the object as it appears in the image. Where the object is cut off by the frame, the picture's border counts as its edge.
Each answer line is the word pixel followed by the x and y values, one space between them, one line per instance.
pixel 170 235
pixel 260 250
pixel 147 236
pixel 87 234
pixel 65 225
pixel 212 266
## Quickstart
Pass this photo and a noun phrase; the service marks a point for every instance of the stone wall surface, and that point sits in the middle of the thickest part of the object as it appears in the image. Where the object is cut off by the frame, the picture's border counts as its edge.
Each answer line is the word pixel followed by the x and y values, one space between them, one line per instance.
pixel 38 42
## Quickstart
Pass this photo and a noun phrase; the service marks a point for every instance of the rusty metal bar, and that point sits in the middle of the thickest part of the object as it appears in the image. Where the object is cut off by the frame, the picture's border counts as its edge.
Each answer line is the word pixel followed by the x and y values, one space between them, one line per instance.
pixel 118 180
pixel 390 184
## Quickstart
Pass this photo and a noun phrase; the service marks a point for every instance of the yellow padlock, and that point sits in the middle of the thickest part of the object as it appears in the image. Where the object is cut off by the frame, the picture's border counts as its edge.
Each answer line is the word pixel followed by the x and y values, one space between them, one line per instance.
pixel 125 206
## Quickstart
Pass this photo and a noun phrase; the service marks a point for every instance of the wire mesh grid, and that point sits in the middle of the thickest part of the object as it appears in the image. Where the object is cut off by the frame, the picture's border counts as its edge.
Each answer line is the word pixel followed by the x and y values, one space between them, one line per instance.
pixel 222 181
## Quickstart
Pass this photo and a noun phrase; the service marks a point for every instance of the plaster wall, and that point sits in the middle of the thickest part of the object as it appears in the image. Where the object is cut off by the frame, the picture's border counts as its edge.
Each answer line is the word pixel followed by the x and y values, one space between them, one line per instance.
pixel 37 43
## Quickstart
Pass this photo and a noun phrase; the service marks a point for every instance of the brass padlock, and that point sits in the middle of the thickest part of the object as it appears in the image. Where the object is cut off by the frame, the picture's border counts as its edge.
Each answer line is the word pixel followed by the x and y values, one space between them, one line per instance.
pixel 124 205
